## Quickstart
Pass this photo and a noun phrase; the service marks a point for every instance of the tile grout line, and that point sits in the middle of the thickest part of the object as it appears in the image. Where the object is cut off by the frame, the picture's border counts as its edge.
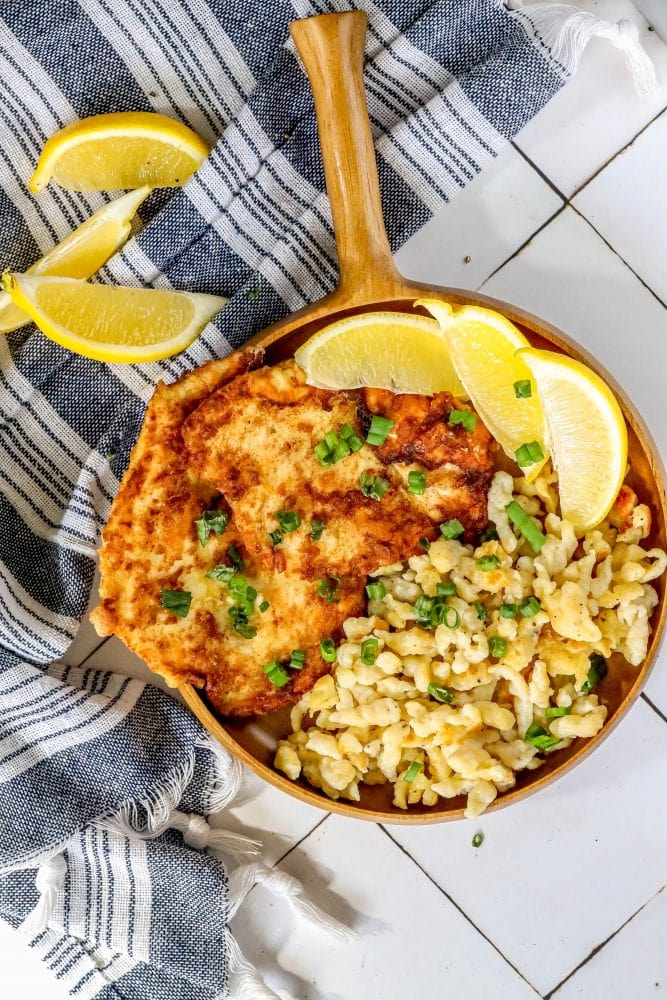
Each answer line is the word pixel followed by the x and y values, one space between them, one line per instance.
pixel 459 908
pixel 526 242
pixel 655 708
pixel 83 662
pixel 598 948
pixel 319 823
pixel 547 180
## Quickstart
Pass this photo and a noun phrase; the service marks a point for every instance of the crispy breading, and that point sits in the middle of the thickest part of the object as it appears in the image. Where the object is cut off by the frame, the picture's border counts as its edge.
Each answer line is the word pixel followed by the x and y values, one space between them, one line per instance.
pixel 150 543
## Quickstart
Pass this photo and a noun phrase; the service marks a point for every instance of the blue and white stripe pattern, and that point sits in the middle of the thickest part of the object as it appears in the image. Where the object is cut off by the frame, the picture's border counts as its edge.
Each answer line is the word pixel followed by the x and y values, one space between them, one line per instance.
pixel 86 756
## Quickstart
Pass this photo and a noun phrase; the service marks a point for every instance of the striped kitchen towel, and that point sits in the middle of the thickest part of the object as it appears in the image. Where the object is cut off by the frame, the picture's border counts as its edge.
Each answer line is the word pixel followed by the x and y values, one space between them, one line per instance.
pixel 105 782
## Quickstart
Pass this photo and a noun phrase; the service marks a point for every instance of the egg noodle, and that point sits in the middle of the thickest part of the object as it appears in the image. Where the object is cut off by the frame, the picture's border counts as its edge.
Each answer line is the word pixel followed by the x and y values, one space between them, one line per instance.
pixel 443 703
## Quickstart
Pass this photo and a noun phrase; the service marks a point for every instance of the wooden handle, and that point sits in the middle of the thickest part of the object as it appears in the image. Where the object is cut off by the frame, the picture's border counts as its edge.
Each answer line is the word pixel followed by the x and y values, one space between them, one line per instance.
pixel 331 47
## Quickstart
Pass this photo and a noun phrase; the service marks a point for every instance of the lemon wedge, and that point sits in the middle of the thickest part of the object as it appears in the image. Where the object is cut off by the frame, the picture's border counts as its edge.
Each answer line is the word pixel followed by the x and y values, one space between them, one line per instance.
pixel 109 322
pixel 483 347
pixel 82 252
pixel 387 350
pixel 586 433
pixel 124 149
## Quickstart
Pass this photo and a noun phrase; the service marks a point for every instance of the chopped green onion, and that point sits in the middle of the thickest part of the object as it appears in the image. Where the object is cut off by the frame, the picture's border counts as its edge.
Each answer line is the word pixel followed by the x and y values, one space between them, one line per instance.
pixel 528 454
pixel 452 529
pixel 445 589
pixel 412 772
pixel 425 544
pixel 373 486
pixel 350 436
pixel 449 616
pixel 264 606
pixel 328 650
pixel 540 738
pixel 369 651
pixel 379 429
pixel 489 534
pixel 239 619
pixel 288 520
pixel 297 659
pixel 276 673
pixel 211 521
pixel 424 608
pixel 596 672
pixel 556 713
pixel 440 693
pixel 523 389
pixel 497 646
pixel 316 529
pixel 376 590
pixel 482 613
pixel 176 601
pixel 221 573
pixel 329 589
pixel 341 450
pixel 331 440
pixel 508 610
pixel 488 563
pixel 478 839
pixel 323 454
pixel 463 417
pixel 276 537
pixel 526 525
pixel 236 558
pixel 529 607
pixel 416 483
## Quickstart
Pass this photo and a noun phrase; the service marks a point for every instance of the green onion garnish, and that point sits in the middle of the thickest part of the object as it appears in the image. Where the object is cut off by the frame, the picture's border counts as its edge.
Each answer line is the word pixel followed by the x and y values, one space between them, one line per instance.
pixel 540 738
pixel 221 573
pixel 440 693
pixel 596 672
pixel 463 417
pixel 379 429
pixel 424 544
pixel 238 586
pixel 412 771
pixel 211 521
pixel 445 589
pixel 488 563
pixel 416 483
pixel 297 659
pixel 328 650
pixel 323 454
pixel 340 450
pixel 288 520
pixel 369 651
pixel 236 558
pixel 529 607
pixel 508 610
pixel 556 713
pixel 276 537
pixel 452 529
pixel 331 440
pixel 329 589
pixel 376 590
pixel 276 673
pixel 449 616
pixel 482 613
pixel 349 435
pixel 526 525
pixel 264 606
pixel 239 619
pixel 497 646
pixel 489 534
pixel 478 839
pixel 373 486
pixel 316 529
pixel 176 601
pixel 523 389
pixel 528 454
pixel 424 609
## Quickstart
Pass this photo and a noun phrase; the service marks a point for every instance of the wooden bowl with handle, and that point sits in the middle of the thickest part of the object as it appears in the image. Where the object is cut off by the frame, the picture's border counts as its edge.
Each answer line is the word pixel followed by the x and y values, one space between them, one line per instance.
pixel 331 47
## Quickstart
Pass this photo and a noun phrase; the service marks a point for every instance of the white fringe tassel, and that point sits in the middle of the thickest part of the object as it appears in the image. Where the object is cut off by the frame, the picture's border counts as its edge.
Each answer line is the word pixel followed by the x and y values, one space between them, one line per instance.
pixel 246 982
pixel 49 881
pixel 280 883
pixel 566 30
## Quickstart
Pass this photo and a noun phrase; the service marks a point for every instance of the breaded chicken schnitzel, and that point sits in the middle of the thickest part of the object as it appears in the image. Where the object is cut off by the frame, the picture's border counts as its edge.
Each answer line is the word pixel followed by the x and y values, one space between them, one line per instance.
pixel 236 539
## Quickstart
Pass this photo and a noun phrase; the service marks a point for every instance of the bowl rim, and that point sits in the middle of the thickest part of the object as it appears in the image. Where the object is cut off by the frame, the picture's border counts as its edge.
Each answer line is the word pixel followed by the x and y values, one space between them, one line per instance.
pixel 271 336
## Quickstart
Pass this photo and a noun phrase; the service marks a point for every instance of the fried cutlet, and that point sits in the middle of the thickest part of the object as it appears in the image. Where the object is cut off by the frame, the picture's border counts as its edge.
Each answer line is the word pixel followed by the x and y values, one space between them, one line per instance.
pixel 150 544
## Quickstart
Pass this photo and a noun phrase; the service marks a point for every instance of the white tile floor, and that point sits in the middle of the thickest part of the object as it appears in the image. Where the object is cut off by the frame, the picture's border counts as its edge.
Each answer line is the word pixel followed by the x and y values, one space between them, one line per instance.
pixel 564 897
